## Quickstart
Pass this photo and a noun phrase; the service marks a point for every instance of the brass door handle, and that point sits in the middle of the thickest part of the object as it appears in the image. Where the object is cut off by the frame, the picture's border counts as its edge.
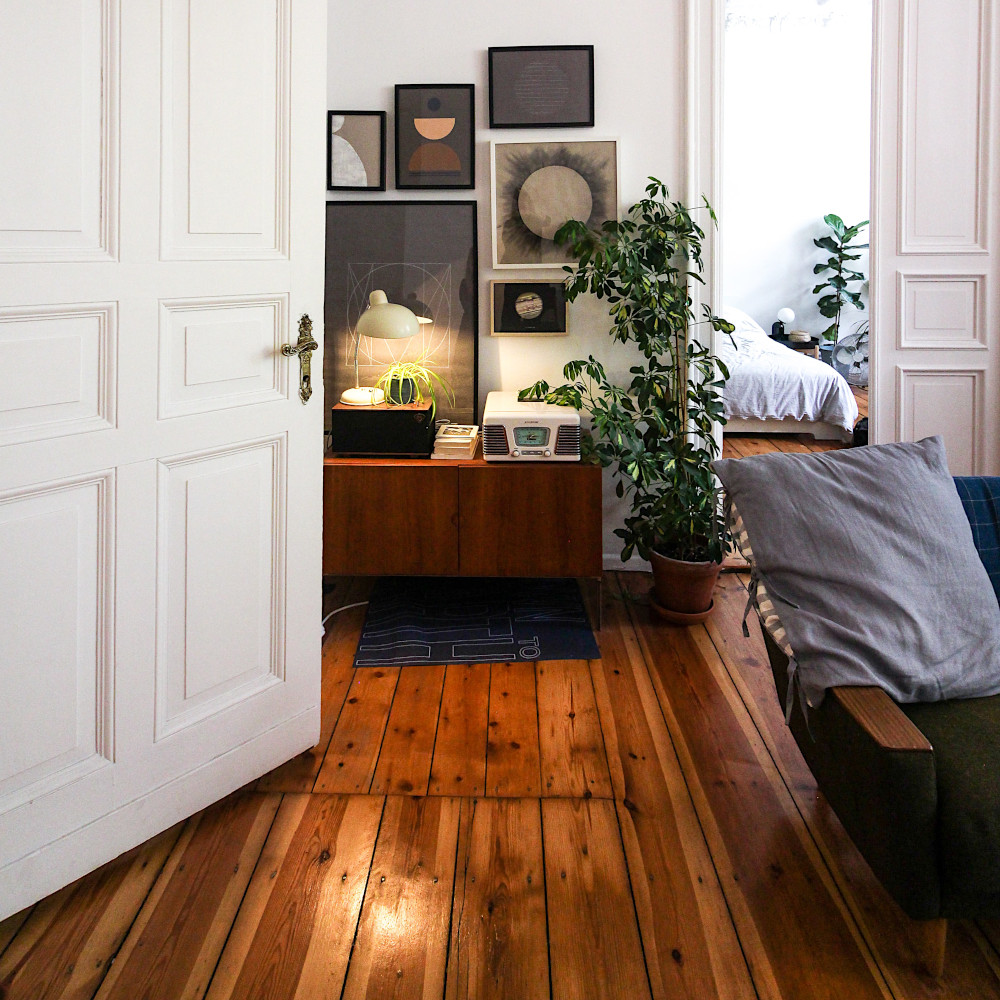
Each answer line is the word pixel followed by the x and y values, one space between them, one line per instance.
pixel 303 347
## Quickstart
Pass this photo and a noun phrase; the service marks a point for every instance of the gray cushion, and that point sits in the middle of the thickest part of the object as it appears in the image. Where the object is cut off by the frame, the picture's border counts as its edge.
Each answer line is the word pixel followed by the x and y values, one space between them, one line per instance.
pixel 868 557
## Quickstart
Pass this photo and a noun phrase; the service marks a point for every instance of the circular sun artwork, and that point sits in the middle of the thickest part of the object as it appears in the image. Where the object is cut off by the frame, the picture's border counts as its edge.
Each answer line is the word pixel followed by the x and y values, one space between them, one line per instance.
pixel 542 185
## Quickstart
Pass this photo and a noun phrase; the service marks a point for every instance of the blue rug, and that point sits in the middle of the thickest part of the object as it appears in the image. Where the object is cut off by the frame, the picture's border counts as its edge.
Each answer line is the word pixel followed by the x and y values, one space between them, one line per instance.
pixel 431 620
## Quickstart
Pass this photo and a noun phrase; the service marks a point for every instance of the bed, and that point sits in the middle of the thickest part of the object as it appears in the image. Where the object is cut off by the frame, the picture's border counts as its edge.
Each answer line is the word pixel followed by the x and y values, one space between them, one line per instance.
pixel 774 390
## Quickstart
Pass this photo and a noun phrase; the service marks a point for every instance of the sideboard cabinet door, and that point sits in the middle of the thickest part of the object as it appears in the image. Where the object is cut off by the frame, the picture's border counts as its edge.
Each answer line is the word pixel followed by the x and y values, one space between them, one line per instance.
pixel 390 520
pixel 530 520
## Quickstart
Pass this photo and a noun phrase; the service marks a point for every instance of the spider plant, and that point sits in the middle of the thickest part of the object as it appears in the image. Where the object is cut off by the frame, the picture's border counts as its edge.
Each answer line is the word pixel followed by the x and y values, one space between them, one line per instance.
pixel 425 382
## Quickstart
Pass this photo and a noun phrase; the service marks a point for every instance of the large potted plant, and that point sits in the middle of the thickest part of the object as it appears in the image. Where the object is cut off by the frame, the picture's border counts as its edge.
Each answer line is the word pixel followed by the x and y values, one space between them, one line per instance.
pixel 836 291
pixel 657 432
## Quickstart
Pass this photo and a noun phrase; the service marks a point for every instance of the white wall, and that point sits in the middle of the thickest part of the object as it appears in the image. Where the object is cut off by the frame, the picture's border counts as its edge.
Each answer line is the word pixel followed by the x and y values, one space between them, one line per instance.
pixel 796 140
pixel 639 99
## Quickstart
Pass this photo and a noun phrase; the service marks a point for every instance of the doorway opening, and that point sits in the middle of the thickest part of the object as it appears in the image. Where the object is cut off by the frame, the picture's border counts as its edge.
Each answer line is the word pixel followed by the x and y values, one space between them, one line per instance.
pixel 795 127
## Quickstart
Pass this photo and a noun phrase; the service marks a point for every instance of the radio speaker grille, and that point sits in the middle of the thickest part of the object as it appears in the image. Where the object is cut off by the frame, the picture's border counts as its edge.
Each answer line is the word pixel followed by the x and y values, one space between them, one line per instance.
pixel 568 439
pixel 495 439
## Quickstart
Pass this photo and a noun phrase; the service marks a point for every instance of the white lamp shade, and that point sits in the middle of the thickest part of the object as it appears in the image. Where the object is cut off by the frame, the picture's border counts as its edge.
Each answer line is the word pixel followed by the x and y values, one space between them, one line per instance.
pixel 386 320
pixel 786 315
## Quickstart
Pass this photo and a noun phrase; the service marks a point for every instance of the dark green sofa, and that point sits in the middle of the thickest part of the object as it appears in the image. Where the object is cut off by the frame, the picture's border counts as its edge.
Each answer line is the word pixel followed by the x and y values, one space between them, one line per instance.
pixel 916 786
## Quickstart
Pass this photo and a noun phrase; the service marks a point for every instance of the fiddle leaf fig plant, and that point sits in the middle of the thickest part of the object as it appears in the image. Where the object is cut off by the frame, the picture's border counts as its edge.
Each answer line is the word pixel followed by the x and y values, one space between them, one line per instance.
pixel 656 432
pixel 837 288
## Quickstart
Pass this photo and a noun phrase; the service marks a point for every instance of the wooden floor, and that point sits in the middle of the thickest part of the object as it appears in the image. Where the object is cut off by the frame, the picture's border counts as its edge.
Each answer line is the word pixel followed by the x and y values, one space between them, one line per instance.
pixel 636 826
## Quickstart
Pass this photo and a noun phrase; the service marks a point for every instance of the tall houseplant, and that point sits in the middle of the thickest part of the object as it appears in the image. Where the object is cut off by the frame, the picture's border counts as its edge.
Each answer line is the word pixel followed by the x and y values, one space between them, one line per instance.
pixel 837 291
pixel 657 433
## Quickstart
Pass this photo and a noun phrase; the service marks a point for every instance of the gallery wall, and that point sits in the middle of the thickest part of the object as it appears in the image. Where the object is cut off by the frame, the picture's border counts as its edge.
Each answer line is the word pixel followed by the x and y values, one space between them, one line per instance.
pixel 796 142
pixel 639 100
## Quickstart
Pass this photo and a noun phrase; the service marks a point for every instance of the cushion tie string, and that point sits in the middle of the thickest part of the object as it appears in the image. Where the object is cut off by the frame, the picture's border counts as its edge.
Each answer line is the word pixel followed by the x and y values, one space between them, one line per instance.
pixel 751 600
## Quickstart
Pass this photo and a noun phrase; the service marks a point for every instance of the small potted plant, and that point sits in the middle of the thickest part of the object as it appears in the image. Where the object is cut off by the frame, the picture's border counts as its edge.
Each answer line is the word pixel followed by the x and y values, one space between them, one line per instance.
pixel 657 432
pixel 413 382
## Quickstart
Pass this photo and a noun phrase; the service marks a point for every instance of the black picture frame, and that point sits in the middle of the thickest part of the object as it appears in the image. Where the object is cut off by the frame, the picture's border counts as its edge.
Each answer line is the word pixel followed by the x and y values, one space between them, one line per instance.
pixel 541 86
pixel 423 254
pixel 528 309
pixel 434 155
pixel 359 132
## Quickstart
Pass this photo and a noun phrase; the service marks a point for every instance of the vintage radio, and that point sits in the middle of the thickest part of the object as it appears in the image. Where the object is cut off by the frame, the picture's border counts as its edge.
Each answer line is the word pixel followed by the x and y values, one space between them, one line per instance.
pixel 515 431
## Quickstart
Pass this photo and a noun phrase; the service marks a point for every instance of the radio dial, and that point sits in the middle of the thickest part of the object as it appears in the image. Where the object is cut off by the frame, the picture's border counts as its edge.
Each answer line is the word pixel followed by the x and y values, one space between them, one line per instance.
pixel 515 454
pixel 548 454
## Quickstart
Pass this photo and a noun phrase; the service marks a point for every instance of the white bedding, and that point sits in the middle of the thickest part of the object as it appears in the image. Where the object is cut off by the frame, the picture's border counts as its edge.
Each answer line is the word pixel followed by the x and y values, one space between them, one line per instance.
pixel 768 381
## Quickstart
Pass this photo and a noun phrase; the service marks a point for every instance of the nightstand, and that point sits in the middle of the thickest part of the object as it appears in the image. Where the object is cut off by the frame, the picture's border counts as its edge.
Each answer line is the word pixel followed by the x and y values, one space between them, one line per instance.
pixel 810 347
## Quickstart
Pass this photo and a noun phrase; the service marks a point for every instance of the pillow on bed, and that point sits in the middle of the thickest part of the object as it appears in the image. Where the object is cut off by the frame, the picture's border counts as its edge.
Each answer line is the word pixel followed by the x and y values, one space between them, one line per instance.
pixel 746 325
pixel 868 559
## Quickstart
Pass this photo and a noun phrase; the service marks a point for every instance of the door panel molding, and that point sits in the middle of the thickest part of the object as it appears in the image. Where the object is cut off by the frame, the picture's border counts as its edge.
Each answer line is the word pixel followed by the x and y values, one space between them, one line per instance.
pixel 224 188
pixel 61 362
pixel 222 516
pixel 947 401
pixel 68 210
pixel 942 312
pixel 220 352
pixel 945 151
pixel 57 718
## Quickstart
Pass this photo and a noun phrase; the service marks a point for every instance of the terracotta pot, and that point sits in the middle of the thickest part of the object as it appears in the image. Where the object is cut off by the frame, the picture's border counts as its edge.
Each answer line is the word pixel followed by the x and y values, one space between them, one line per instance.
pixel 682 591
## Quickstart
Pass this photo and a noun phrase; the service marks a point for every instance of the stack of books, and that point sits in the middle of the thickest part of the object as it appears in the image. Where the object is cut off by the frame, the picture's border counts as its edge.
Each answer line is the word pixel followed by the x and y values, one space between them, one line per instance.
pixel 456 441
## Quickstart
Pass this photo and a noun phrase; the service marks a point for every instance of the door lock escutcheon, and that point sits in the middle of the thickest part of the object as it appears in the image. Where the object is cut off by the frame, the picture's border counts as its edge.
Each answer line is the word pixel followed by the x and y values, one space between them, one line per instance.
pixel 303 348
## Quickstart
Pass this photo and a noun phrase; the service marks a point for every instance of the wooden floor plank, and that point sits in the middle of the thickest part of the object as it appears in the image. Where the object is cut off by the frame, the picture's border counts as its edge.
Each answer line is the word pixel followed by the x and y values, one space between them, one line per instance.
pixel 402 939
pixel 10 927
pixel 756 836
pixel 64 949
pixel 404 764
pixel 292 937
pixel 573 760
pixel 968 970
pixel 350 760
pixel 498 929
pixel 512 755
pixel 172 948
pixel 593 936
pixel 339 645
pixel 459 765
pixel 688 935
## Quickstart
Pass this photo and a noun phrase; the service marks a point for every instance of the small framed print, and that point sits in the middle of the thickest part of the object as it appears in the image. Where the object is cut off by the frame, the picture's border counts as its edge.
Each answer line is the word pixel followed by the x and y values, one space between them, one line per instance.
pixel 355 150
pixel 542 86
pixel 435 136
pixel 528 309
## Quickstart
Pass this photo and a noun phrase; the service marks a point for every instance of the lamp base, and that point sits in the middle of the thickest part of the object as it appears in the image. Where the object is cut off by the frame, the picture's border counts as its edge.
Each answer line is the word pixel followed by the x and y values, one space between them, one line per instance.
pixel 362 396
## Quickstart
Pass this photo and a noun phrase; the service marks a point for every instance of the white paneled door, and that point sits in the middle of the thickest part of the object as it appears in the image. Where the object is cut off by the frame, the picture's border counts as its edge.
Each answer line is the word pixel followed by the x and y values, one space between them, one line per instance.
pixel 936 237
pixel 161 234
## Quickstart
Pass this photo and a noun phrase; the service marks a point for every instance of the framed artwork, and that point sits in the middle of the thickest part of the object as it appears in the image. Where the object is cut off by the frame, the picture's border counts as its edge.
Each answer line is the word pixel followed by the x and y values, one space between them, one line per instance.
pixel 542 86
pixel 435 136
pixel 538 186
pixel 423 255
pixel 355 150
pixel 528 309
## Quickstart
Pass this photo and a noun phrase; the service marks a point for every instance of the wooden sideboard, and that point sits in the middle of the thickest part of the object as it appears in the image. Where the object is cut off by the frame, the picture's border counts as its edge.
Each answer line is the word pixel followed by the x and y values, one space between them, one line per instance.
pixel 422 517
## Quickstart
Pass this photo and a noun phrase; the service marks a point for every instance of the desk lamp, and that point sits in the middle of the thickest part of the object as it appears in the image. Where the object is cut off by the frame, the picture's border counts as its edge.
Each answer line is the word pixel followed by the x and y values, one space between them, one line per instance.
pixel 386 321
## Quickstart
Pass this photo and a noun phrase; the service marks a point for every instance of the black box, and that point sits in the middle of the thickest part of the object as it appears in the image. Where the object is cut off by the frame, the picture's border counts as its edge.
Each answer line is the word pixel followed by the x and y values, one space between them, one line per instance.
pixel 406 430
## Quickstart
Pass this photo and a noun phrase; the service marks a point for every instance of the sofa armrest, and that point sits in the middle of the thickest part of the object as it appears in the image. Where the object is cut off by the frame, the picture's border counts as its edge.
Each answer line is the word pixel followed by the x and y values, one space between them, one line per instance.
pixel 878 772
pixel 881 718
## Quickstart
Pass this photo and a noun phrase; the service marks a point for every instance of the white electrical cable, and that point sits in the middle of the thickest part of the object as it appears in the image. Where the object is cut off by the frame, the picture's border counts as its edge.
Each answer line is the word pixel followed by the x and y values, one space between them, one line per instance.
pixel 336 611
